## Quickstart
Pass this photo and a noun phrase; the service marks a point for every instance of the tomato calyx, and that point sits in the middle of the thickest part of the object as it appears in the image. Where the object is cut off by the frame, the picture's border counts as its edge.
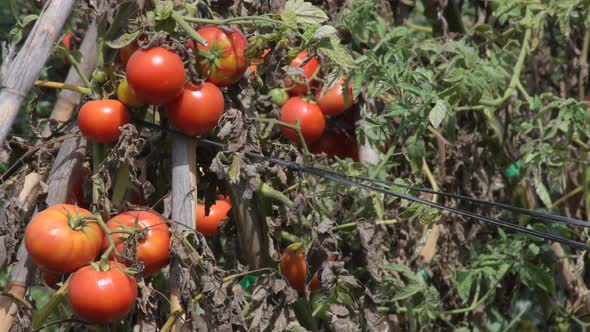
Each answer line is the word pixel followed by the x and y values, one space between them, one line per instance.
pixel 78 221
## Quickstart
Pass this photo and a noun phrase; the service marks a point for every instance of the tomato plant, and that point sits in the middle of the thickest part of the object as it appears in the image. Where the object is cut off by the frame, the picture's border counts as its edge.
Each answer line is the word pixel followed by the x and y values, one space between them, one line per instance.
pixel 278 96
pixel 59 241
pixel 152 236
pixel 127 96
pixel 99 120
pixel 156 75
pixel 224 61
pixel 100 297
pixel 309 68
pixel 198 109
pixel 334 101
pixel 310 117
pixel 207 224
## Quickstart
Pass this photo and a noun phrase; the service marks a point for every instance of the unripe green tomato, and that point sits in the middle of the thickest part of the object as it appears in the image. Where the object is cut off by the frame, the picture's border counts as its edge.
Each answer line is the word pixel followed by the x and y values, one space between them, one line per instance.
pixel 278 96
pixel 99 76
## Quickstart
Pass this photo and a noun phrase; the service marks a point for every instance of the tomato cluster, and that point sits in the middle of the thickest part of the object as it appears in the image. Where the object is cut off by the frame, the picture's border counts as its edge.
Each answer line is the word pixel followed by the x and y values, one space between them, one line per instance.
pixel 294 268
pixel 67 239
pixel 308 106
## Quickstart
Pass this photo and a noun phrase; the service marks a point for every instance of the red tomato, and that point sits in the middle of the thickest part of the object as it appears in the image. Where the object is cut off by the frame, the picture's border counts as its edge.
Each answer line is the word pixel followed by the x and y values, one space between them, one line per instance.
pixel 67 41
pixel 153 249
pixel 101 297
pixel 156 75
pixel 207 225
pixel 50 278
pixel 308 70
pixel 294 266
pixel 197 110
pixel 127 96
pixel 55 246
pixel 126 51
pixel 311 119
pixel 227 49
pixel 99 120
pixel 335 144
pixel 333 101
pixel 76 195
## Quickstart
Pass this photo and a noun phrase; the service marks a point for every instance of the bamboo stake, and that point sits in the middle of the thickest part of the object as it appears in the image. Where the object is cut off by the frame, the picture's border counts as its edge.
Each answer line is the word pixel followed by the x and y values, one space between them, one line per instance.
pixel 432 235
pixel 184 204
pixel 19 73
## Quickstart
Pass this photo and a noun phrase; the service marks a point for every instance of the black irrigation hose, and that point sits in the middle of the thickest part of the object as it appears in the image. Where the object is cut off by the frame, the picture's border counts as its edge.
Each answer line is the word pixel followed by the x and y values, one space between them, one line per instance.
pixel 335 177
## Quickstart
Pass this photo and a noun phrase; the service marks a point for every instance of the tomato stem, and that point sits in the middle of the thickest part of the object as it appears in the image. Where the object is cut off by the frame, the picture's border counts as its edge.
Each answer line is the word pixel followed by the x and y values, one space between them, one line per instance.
pixel 269 192
pixel 296 127
pixel 97 157
pixel 60 85
pixel 79 70
pixel 40 316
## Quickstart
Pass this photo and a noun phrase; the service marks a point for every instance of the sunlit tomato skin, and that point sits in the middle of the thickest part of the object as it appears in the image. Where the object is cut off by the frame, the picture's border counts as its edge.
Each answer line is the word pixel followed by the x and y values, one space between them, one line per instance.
pixel 55 246
pixel 311 120
pixel 127 96
pixel 101 297
pixel 156 75
pixel 207 225
pixel 126 51
pixel 197 110
pixel 334 144
pixel 294 266
pixel 333 102
pixel 308 68
pixel 152 250
pixel 228 49
pixel 99 120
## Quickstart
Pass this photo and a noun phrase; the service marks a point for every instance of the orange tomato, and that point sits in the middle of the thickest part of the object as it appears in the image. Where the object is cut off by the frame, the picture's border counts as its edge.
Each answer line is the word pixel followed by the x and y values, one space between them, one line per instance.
pixel 207 225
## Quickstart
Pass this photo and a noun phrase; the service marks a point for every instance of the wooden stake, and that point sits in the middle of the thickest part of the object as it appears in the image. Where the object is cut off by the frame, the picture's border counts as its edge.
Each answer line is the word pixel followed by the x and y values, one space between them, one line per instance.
pixel 19 74
pixel 184 204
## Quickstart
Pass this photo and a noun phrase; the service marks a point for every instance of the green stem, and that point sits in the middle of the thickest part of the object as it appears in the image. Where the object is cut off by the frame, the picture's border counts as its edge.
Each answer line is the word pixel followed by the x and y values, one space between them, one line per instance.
pixel 40 316
pixel 568 196
pixel 191 32
pixel 76 66
pixel 59 85
pixel 295 127
pixel 120 187
pixel 97 157
pixel 354 224
pixel 234 20
pixel 268 192
pixel 290 237
pixel 517 68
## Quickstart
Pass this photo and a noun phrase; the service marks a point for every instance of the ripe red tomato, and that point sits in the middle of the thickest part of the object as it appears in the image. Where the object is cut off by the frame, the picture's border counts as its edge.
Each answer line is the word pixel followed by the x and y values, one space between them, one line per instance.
pixel 50 278
pixel 126 51
pixel 198 109
pixel 229 62
pixel 156 75
pixel 76 195
pixel 309 69
pixel 207 225
pixel 101 297
pixel 335 144
pixel 99 120
pixel 333 101
pixel 153 249
pixel 311 119
pixel 127 96
pixel 294 266
pixel 67 41
pixel 55 246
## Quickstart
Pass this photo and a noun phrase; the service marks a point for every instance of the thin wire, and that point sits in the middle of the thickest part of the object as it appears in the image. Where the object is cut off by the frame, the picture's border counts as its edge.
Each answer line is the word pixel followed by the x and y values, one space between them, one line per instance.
pixel 335 177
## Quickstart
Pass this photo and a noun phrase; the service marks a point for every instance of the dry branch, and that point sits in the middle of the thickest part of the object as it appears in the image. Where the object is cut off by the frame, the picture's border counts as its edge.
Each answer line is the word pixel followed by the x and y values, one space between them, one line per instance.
pixel 18 74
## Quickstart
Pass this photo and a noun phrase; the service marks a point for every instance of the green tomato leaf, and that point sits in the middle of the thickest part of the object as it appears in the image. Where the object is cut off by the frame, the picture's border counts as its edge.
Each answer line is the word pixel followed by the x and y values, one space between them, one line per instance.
pixel 438 113
pixel 164 10
pixel 290 18
pixel 305 12
pixel 123 40
pixel 324 31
